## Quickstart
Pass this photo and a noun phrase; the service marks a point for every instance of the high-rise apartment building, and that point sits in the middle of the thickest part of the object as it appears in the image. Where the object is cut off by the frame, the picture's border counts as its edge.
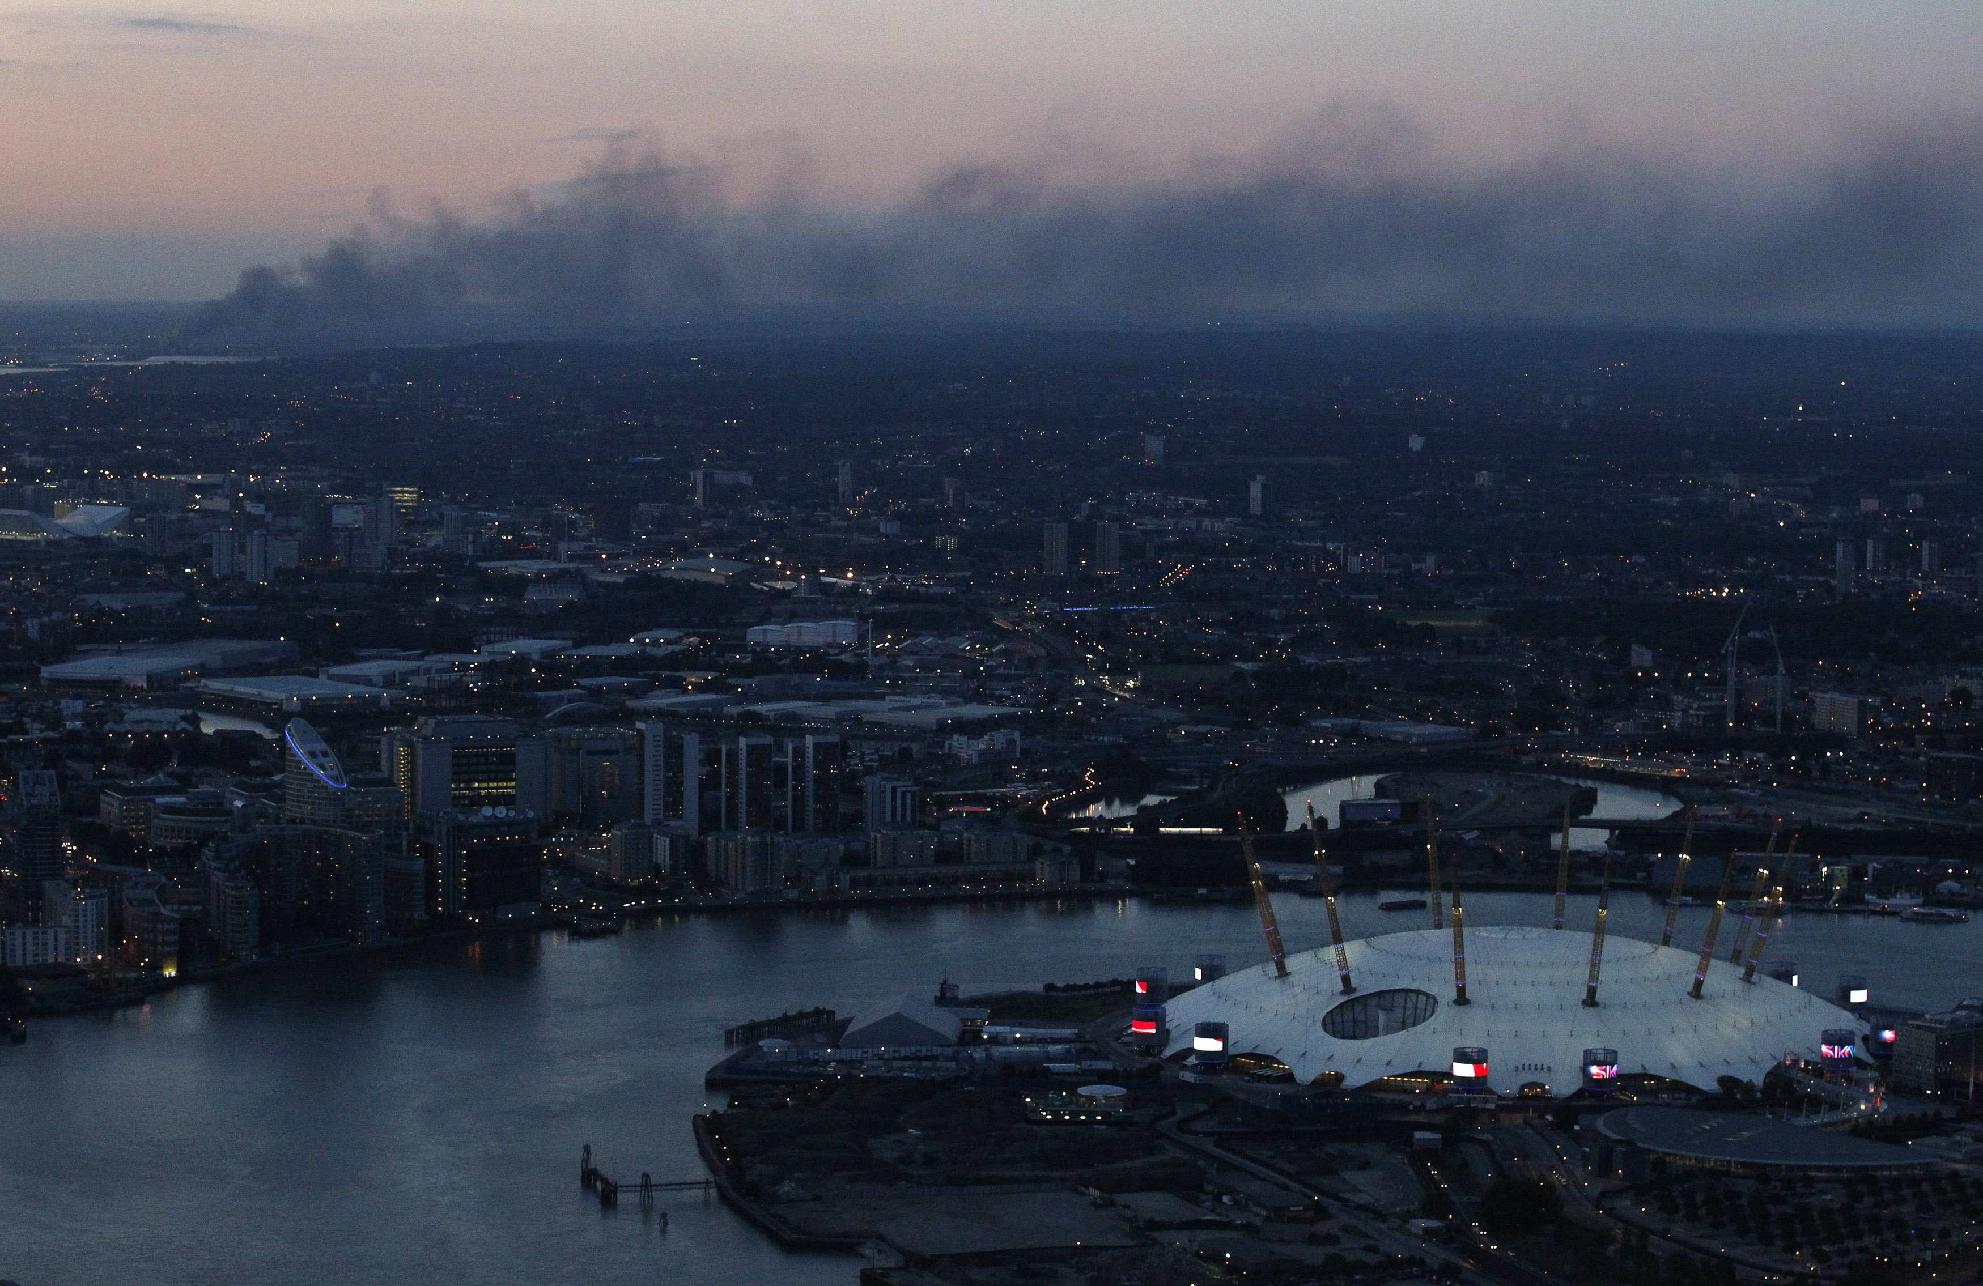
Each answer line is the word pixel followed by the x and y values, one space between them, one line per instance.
pixel 1108 549
pixel 35 823
pixel 1053 556
pixel 819 765
pixel 891 803
pixel 595 774
pixel 671 777
pixel 1840 712
pixel 750 785
pixel 223 554
pixel 313 781
pixel 257 556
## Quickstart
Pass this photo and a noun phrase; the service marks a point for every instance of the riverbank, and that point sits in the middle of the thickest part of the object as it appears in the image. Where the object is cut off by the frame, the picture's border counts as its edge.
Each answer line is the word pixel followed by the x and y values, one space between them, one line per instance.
pixel 760 1216
pixel 56 996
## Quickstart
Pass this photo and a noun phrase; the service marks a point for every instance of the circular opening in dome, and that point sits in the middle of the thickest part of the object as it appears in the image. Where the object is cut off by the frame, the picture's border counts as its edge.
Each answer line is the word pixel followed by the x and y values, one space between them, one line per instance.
pixel 1380 1013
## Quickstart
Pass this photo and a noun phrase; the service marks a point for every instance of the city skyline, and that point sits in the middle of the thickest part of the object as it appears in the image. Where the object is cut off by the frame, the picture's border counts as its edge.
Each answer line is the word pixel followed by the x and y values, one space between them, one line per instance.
pixel 971 644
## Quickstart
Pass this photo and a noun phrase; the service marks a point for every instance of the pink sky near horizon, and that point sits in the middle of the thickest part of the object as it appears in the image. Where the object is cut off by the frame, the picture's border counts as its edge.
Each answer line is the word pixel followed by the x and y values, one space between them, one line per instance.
pixel 151 152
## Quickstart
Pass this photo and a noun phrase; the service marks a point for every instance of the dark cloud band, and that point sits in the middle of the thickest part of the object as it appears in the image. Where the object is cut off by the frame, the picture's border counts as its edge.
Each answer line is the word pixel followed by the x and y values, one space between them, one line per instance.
pixel 1348 219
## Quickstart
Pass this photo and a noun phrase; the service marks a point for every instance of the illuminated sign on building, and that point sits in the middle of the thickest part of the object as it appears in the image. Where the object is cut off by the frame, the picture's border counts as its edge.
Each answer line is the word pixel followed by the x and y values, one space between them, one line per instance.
pixel 1142 986
pixel 1602 1071
pixel 1470 1071
pixel 1886 1036
pixel 1857 996
pixel 1835 1051
pixel 1143 1026
pixel 1208 1044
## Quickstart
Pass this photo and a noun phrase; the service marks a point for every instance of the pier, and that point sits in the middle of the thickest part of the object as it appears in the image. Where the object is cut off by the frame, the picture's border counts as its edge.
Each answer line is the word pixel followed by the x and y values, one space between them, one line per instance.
pixel 607 1189
pixel 804 1023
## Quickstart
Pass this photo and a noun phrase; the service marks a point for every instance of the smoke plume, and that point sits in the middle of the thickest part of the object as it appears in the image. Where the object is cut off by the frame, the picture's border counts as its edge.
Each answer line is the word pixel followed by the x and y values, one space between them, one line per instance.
pixel 1350 217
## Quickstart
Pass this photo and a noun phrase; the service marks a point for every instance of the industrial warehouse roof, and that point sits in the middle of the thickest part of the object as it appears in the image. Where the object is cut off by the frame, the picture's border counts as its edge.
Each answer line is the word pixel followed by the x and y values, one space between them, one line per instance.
pixel 1750 1140
pixel 135 666
pixel 912 1020
pixel 293 691
pixel 1526 988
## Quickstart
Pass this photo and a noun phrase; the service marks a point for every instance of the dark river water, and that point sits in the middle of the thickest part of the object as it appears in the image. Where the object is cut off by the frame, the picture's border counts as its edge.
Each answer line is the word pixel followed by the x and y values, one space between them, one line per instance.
pixel 371 1121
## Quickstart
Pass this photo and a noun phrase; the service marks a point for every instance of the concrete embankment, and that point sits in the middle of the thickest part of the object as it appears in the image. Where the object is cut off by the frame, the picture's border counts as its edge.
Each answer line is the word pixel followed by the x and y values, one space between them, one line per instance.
pixel 729 1186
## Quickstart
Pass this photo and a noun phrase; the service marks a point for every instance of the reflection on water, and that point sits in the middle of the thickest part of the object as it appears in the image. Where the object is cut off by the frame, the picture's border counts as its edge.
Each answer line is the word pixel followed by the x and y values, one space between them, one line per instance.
pixel 1327 798
pixel 1615 801
pixel 212 721
pixel 1113 806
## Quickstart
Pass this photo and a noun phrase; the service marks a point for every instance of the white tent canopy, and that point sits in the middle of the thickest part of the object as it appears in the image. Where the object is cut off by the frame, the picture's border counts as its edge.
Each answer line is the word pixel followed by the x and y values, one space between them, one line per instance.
pixel 1526 990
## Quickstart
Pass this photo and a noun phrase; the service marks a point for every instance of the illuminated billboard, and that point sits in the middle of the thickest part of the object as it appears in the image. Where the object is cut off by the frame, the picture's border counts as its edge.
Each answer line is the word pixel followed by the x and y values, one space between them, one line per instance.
pixel 1856 996
pixel 1600 1070
pixel 1208 1044
pixel 1840 1052
pixel 1143 1026
pixel 1142 986
pixel 1886 1035
pixel 1470 1063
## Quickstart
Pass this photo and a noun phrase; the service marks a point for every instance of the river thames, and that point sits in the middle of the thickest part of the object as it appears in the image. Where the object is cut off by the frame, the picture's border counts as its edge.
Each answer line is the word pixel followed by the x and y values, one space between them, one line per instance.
pixel 421 1117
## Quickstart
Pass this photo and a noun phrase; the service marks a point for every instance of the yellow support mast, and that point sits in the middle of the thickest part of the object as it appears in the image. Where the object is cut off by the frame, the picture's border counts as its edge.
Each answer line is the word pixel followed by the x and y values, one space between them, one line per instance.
pixel 1714 929
pixel 1756 889
pixel 1763 930
pixel 1432 864
pixel 1562 870
pixel 1459 948
pixel 1597 937
pixel 1679 880
pixel 1327 883
pixel 1268 925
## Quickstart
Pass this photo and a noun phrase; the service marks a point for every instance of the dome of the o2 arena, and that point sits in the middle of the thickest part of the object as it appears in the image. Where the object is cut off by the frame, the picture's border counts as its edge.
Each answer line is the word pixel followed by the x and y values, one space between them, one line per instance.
pixel 1524 1022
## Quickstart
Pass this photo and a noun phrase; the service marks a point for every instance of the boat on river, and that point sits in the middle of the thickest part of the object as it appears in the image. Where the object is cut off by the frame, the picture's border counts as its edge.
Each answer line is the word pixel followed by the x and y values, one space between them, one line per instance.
pixel 1934 915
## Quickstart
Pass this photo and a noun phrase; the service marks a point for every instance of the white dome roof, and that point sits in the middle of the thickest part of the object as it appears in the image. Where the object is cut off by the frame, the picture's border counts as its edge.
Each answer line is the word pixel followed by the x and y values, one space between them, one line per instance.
pixel 1526 991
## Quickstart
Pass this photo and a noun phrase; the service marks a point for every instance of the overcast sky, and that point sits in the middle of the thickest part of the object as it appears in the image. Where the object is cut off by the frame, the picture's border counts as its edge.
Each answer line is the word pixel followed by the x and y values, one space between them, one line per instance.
pixel 155 152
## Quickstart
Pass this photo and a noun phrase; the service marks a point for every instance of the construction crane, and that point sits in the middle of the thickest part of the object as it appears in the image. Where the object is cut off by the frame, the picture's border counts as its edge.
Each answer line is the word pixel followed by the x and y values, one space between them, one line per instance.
pixel 1562 869
pixel 1597 937
pixel 1731 663
pixel 1459 948
pixel 1782 678
pixel 1761 883
pixel 1432 864
pixel 1327 883
pixel 1763 933
pixel 1679 880
pixel 1714 929
pixel 1268 925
